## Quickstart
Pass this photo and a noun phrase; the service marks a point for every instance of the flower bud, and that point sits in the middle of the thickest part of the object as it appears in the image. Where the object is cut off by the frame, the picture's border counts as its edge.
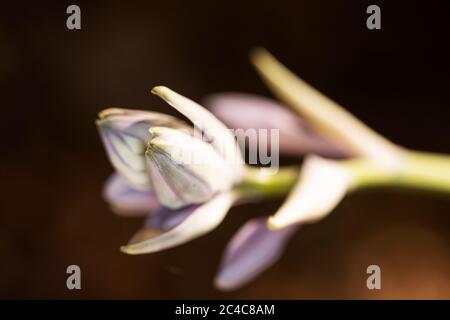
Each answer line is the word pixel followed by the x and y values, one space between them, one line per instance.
pixel 183 169
pixel 125 135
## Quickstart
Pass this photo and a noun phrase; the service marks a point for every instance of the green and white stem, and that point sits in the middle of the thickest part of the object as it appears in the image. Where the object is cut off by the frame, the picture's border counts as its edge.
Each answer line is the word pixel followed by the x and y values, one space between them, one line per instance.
pixel 422 171
pixel 318 187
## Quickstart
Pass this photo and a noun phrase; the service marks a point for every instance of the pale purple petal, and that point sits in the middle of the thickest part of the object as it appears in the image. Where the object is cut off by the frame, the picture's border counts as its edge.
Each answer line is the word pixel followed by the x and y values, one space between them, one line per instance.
pixel 247 111
pixel 137 122
pixel 125 160
pixel 166 218
pixel 125 134
pixel 160 221
pixel 193 221
pixel 253 249
pixel 126 200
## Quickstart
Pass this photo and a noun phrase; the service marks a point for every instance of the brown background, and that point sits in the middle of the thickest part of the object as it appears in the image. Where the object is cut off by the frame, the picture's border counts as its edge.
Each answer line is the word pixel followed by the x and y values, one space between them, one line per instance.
pixel 54 81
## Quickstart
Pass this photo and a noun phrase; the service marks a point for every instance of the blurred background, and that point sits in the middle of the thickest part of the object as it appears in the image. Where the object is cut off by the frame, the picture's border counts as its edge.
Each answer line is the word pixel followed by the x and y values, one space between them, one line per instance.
pixel 54 81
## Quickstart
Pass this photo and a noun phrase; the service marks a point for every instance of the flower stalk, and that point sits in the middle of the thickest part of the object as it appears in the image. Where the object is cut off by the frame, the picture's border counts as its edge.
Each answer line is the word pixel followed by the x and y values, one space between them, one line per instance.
pixel 420 170
pixel 258 184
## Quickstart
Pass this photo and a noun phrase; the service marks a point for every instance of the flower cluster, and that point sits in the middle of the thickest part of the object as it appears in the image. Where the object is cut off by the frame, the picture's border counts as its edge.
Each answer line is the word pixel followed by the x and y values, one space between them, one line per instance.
pixel 158 177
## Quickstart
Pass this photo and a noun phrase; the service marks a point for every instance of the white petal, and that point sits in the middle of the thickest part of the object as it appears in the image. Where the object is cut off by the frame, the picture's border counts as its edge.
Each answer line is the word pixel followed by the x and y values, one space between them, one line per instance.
pixel 185 170
pixel 203 219
pixel 322 185
pixel 221 137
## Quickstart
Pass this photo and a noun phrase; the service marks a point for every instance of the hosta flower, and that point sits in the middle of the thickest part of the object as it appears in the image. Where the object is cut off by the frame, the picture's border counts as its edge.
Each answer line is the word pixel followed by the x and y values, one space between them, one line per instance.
pixel 185 179
pixel 163 167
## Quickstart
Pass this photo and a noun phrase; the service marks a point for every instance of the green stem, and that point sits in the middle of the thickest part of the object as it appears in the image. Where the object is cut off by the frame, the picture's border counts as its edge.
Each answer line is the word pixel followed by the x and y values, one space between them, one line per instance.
pixel 421 170
pixel 258 183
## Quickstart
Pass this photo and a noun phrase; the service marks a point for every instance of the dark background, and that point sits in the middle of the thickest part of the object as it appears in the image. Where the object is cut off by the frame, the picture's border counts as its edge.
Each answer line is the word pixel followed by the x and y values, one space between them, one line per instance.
pixel 54 81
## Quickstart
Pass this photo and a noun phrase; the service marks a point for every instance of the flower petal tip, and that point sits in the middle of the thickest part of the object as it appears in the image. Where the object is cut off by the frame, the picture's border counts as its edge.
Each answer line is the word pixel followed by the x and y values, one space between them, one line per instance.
pixel 134 249
pixel 275 223
pixel 127 250
pixel 109 111
pixel 224 285
pixel 257 53
pixel 161 91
